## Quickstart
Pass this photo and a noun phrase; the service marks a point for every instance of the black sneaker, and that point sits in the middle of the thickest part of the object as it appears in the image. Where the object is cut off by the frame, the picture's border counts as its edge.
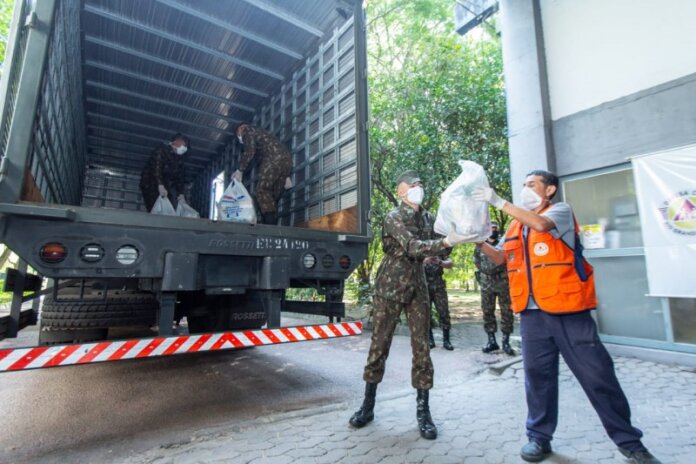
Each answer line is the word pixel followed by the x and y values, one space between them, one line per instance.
pixel 536 450
pixel 640 457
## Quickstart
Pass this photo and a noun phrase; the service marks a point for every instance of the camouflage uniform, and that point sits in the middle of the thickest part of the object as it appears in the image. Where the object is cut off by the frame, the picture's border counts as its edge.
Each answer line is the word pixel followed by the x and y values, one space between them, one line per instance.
pixel 275 165
pixel 437 289
pixel 400 286
pixel 494 283
pixel 166 168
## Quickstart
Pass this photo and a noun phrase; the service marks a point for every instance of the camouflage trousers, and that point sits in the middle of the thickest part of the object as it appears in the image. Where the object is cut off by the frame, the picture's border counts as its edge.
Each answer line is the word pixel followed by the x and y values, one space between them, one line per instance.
pixel 438 297
pixel 270 184
pixel 488 298
pixel 385 317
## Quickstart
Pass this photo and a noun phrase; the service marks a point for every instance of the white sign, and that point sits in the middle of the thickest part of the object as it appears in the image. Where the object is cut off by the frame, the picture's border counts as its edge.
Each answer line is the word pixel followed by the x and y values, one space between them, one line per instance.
pixel 666 191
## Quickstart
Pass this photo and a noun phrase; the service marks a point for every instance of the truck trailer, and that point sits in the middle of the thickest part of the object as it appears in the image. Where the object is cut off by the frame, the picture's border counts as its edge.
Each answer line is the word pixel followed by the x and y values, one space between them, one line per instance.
pixel 90 87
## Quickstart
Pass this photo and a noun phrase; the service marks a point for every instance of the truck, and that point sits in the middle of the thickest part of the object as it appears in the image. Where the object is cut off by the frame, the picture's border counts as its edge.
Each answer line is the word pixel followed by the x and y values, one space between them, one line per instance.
pixel 90 87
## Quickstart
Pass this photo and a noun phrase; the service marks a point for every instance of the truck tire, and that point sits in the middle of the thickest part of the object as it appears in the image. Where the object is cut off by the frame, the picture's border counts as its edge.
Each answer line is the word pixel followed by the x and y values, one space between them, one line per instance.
pixel 90 320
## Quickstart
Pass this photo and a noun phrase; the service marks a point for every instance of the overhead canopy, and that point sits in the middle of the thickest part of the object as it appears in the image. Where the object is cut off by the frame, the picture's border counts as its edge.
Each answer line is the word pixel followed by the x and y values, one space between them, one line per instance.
pixel 156 67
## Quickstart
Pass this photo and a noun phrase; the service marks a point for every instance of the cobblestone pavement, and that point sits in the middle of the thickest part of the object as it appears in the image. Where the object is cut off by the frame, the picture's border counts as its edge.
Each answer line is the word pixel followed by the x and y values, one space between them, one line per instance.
pixel 479 421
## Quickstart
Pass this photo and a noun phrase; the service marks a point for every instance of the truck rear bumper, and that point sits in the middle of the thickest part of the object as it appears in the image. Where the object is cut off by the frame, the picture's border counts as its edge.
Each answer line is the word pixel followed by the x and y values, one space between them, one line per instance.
pixel 39 357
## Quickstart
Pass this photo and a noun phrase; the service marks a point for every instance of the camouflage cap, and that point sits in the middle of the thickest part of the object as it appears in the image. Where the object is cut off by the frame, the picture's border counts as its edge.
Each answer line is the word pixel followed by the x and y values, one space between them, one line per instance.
pixel 409 177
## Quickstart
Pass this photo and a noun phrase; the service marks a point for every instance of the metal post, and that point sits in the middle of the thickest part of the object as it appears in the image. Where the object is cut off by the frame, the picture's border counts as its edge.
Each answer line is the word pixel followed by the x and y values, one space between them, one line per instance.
pixel 35 306
pixel 40 22
pixel 17 294
pixel 272 302
pixel 527 93
pixel 165 315
pixel 361 115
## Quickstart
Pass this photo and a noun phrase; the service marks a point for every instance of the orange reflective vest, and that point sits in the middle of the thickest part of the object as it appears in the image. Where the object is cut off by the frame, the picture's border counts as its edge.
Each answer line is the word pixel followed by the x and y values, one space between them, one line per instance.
pixel 551 269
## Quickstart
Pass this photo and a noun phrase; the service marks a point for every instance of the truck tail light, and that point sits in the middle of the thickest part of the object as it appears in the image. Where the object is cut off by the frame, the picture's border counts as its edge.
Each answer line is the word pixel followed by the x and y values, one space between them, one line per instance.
pixel 327 261
pixel 127 255
pixel 308 261
pixel 344 261
pixel 92 253
pixel 53 253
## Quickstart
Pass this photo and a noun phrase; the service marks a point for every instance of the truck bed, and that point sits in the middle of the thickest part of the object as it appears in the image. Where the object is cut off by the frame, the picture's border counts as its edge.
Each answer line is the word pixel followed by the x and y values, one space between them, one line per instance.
pixel 329 228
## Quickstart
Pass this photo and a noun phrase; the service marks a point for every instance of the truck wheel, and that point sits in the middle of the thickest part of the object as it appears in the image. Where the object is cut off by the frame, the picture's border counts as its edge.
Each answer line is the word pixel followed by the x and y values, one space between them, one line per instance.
pixel 91 319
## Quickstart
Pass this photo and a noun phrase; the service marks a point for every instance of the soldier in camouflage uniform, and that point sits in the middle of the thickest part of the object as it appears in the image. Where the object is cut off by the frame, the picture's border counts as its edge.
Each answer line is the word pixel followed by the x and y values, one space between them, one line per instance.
pixel 400 287
pixel 437 289
pixel 493 281
pixel 164 173
pixel 274 167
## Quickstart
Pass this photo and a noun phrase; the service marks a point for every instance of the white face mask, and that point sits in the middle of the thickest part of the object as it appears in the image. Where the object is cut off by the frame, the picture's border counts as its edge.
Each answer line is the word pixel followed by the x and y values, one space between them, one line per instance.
pixel 239 137
pixel 530 199
pixel 181 150
pixel 415 195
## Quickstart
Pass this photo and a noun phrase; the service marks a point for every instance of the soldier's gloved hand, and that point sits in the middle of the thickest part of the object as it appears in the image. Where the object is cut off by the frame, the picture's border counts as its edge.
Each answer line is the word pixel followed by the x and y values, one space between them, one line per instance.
pixel 431 260
pixel 237 175
pixel 489 195
pixel 181 199
pixel 288 183
pixel 162 190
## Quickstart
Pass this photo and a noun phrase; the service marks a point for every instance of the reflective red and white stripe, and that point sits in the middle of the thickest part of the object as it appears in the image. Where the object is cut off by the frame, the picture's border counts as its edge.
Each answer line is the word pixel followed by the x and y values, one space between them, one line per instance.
pixel 67 355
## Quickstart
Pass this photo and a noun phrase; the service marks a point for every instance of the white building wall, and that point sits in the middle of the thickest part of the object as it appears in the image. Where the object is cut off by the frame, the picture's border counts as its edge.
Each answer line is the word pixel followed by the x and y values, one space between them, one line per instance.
pixel 601 50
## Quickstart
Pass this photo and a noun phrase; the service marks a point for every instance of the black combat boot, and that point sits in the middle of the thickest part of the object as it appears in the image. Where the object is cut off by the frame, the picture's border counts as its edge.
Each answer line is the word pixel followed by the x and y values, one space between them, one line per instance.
pixel 365 414
pixel 270 218
pixel 506 345
pixel 446 341
pixel 431 339
pixel 492 344
pixel 425 422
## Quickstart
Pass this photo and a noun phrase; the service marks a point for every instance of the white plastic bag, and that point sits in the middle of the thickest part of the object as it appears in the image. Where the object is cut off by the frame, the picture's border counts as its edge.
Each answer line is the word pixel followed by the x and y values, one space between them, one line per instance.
pixel 163 206
pixel 236 204
pixel 184 210
pixel 459 210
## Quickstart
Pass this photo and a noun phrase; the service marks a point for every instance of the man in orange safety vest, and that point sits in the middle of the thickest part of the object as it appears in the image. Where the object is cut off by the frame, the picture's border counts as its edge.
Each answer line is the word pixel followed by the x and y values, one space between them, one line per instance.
pixel 552 287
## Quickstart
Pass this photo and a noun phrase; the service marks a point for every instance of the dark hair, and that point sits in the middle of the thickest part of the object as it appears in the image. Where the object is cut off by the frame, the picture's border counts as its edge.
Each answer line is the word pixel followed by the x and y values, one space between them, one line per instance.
pixel 243 123
pixel 548 178
pixel 180 136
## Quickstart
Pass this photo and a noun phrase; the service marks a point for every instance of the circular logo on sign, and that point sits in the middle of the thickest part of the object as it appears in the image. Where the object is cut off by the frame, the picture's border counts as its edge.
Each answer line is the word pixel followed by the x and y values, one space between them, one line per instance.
pixel 681 213
pixel 541 249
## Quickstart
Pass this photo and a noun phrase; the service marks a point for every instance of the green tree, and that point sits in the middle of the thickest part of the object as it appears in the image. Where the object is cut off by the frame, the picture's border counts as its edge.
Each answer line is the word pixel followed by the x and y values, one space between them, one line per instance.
pixel 435 98
pixel 6 9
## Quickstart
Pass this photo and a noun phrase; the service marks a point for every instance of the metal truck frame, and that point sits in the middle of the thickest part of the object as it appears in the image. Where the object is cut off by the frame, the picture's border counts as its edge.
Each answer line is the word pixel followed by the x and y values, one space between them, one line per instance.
pixel 71 140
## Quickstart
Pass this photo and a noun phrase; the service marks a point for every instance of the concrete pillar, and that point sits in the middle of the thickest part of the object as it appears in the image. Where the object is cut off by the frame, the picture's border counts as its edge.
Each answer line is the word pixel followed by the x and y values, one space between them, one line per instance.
pixel 528 110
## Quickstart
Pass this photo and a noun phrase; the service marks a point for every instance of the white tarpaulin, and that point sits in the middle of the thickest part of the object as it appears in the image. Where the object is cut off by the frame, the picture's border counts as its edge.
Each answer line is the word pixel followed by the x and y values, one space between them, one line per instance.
pixel 666 191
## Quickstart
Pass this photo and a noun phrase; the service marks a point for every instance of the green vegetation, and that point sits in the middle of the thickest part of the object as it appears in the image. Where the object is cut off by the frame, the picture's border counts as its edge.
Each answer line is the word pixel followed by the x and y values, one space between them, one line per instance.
pixel 435 98
pixel 6 9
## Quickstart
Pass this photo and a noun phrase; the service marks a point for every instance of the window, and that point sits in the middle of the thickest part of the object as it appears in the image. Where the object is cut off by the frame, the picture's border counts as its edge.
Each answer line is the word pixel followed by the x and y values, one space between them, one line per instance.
pixel 683 312
pixel 606 206
pixel 606 209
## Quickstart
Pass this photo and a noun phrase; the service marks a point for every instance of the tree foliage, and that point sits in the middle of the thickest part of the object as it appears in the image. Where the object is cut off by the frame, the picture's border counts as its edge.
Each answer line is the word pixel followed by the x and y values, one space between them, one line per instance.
pixel 6 9
pixel 435 98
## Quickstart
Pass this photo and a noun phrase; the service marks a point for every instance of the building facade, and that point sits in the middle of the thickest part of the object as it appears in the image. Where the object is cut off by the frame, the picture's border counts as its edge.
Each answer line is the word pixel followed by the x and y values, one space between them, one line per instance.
pixel 591 84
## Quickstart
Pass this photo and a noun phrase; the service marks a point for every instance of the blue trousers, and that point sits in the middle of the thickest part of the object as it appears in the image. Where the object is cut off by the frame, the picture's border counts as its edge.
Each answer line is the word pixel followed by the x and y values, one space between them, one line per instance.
pixel 575 337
